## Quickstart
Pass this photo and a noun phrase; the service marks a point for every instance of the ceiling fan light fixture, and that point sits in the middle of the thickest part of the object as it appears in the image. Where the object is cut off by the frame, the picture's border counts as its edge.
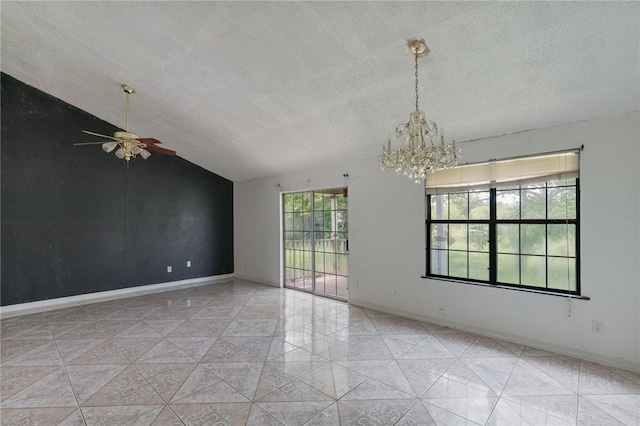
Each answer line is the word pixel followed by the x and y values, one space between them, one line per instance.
pixel 135 149
pixel 129 144
pixel 109 146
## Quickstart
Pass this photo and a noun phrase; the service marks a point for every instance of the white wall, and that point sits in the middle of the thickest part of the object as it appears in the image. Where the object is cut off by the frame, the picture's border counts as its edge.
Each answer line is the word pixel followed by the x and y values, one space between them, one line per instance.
pixel 387 245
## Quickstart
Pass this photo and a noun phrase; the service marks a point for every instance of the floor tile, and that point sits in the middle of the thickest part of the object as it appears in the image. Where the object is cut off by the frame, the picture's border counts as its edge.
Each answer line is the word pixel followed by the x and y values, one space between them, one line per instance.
pixel 46 354
pixel 16 379
pixel 242 353
pixel 212 414
pixel 42 416
pixel 127 388
pixel 142 415
pixel 86 380
pixel 475 409
pixel 165 379
pixel 53 390
pixel 199 378
pixel 373 411
pixel 294 413
pixel 508 412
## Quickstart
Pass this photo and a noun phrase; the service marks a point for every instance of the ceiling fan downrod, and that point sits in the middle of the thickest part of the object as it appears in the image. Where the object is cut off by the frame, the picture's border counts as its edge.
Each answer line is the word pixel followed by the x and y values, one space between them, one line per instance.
pixel 127 90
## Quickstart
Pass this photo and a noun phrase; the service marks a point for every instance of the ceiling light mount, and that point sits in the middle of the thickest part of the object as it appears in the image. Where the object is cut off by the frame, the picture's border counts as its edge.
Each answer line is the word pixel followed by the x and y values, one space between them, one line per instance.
pixel 418 47
pixel 417 154
pixel 128 89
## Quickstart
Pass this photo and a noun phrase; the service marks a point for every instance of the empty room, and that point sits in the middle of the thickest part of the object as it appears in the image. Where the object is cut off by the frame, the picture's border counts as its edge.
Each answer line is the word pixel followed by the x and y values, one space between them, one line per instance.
pixel 320 213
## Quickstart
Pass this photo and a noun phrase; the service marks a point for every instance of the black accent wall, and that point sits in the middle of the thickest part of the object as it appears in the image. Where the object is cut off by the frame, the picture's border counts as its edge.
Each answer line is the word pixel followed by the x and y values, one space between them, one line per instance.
pixel 77 220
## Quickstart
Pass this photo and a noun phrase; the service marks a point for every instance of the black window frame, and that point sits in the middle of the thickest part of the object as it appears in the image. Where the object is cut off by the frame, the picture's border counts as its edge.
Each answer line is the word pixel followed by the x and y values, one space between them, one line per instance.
pixel 493 223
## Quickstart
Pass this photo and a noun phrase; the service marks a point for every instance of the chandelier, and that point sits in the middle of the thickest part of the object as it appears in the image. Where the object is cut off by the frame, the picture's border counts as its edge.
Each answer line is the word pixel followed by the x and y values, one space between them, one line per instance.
pixel 417 154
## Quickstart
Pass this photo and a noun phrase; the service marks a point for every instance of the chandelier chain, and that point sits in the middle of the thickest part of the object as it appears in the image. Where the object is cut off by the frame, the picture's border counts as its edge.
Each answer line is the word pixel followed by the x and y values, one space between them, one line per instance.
pixel 417 109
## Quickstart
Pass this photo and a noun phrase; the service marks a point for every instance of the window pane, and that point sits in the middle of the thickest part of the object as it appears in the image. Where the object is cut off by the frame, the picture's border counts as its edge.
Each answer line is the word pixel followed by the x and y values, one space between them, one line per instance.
pixel 479 266
pixel 439 207
pixel 563 182
pixel 561 240
pixel 439 262
pixel 343 219
pixel 319 262
pixel 459 205
pixel 533 271
pixel 532 239
pixel 458 264
pixel 289 257
pixel 562 273
pixel 509 268
pixel 439 234
pixel 330 263
pixel 330 202
pixel 508 204
pixel 289 275
pixel 479 205
pixel 297 202
pixel 562 203
pixel 343 265
pixel 533 202
pixel 320 224
pixel 288 202
pixel 479 237
pixel 288 221
pixel 508 238
pixel 458 236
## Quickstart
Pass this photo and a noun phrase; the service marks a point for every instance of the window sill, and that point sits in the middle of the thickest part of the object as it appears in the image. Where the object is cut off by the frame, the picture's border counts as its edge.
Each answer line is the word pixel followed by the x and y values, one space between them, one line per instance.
pixel 506 287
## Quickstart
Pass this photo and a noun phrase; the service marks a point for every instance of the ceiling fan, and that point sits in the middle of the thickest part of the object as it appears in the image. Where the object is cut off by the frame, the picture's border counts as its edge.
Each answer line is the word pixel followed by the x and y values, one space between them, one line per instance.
pixel 129 144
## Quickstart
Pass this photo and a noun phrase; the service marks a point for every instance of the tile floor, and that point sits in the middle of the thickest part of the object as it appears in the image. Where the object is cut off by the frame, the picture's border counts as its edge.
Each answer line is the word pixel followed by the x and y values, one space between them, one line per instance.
pixel 241 353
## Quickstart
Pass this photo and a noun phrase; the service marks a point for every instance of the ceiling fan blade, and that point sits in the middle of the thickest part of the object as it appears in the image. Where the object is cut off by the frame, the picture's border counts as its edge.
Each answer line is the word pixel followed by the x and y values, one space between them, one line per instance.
pixel 160 150
pixel 98 134
pixel 89 143
pixel 149 141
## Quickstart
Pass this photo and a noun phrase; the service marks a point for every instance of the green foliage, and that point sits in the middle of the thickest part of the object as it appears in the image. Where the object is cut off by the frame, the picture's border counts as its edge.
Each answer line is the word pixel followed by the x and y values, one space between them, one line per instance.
pixel 527 252
pixel 328 208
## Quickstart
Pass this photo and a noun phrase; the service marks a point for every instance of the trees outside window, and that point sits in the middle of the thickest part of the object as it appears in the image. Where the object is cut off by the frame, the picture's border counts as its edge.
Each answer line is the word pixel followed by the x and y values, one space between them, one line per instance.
pixel 523 236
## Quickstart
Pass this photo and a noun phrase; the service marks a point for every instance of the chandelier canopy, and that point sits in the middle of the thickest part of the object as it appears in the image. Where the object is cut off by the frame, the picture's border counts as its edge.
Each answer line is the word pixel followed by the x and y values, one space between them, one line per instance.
pixel 417 154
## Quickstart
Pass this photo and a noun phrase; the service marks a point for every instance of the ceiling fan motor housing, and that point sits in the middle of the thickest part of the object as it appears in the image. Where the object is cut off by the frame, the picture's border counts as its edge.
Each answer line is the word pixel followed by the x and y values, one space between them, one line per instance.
pixel 125 135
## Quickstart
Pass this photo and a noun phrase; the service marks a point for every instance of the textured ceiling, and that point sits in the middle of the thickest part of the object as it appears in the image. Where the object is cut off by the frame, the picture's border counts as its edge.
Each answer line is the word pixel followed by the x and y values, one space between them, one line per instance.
pixel 250 89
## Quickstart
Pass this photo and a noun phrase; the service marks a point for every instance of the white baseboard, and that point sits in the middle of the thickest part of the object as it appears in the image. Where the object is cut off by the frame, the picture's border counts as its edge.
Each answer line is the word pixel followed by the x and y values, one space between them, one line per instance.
pixel 103 296
pixel 607 360
pixel 256 280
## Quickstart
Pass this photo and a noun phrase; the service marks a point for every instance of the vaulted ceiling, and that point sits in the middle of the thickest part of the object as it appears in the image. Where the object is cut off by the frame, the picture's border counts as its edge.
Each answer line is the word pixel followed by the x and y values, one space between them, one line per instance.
pixel 251 89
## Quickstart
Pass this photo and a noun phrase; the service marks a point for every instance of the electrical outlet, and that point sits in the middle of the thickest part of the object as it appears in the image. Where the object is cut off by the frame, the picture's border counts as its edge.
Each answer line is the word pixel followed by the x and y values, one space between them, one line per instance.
pixel 188 264
pixel 441 310
pixel 168 268
pixel 598 326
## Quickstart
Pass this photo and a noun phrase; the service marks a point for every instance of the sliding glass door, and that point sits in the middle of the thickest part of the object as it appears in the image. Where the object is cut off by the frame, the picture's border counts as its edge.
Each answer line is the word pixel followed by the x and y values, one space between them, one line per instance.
pixel 315 242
